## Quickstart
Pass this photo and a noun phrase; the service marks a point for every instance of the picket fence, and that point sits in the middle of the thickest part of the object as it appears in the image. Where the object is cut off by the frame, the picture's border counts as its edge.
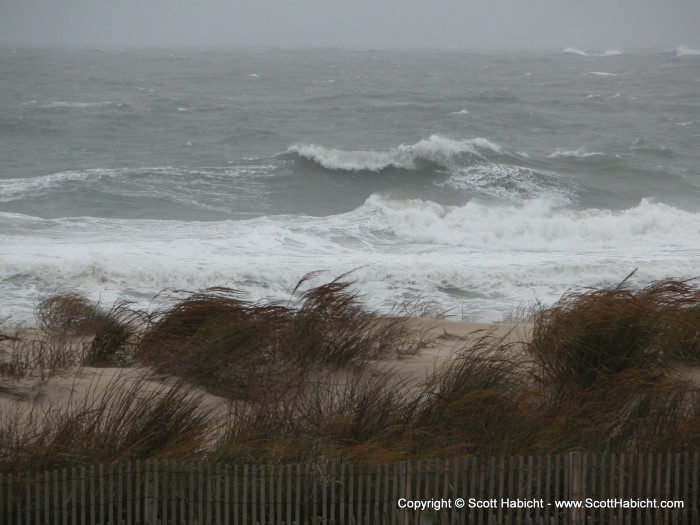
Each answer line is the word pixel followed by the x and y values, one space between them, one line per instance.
pixel 164 492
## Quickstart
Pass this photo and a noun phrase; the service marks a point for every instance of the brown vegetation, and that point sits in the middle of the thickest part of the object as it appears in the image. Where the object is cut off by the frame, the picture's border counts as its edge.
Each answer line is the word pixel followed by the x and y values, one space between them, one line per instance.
pixel 600 372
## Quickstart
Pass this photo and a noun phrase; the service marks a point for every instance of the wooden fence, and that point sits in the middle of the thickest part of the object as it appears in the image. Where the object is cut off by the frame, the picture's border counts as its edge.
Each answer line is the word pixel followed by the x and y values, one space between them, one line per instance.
pixel 165 492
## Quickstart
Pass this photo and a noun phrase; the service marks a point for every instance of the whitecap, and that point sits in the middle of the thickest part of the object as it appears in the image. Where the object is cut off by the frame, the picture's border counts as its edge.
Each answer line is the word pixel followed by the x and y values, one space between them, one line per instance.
pixel 685 51
pixel 577 153
pixel 574 51
pixel 85 105
pixel 437 149
pixel 501 254
pixel 539 225
pixel 606 53
pixel 511 183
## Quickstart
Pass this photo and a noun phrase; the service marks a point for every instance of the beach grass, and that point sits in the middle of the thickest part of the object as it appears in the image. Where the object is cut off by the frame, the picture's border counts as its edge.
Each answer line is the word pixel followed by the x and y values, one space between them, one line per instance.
pixel 602 370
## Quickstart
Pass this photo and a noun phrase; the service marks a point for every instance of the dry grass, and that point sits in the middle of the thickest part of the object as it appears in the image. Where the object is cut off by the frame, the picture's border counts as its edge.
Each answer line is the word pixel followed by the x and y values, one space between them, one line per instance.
pixel 118 423
pixel 325 417
pixel 590 337
pixel 26 352
pixel 239 349
pixel 109 335
pixel 599 373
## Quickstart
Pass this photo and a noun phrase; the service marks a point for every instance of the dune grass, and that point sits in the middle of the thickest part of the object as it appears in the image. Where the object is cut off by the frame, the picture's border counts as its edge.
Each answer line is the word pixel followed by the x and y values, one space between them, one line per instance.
pixel 125 420
pixel 600 372
pixel 109 334
pixel 591 337
pixel 240 349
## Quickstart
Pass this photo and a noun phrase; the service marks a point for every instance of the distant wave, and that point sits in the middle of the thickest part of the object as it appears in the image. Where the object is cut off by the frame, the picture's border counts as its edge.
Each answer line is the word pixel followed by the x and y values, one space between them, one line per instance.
pixel 85 105
pixel 437 149
pixel 11 189
pixel 606 53
pixel 578 153
pixel 684 51
pixel 152 181
pixel 603 74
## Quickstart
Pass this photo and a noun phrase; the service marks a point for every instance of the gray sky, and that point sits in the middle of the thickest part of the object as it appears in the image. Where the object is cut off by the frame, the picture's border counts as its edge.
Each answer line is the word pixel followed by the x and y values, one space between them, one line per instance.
pixel 475 24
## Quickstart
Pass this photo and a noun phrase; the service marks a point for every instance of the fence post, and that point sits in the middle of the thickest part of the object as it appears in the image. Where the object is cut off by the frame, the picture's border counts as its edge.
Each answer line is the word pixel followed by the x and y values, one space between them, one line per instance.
pixel 574 470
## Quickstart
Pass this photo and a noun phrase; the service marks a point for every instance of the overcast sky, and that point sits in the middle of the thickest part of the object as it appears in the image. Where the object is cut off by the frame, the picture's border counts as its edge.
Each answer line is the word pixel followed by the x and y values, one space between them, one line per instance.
pixel 471 24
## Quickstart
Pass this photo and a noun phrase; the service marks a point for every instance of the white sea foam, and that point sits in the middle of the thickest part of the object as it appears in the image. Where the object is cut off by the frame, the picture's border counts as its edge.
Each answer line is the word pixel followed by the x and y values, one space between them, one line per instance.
pixel 685 51
pixel 574 51
pixel 437 149
pixel 537 226
pixel 85 105
pixel 577 153
pixel 606 53
pixel 511 183
pixel 11 189
pixel 603 74
pixel 500 254
pixel 461 112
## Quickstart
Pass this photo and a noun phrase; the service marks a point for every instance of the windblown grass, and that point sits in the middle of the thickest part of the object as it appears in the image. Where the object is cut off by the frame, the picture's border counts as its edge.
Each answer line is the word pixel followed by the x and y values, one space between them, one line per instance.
pixel 25 352
pixel 590 337
pixel 121 422
pixel 240 349
pixel 600 372
pixel 111 332
pixel 478 403
pixel 326 417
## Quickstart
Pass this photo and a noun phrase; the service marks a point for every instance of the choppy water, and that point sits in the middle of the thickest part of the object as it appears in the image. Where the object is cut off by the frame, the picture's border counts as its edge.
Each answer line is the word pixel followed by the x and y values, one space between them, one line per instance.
pixel 478 180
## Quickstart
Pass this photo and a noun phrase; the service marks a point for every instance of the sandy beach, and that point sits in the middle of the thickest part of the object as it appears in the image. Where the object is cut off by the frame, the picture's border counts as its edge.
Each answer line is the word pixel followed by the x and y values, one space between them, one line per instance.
pixel 81 386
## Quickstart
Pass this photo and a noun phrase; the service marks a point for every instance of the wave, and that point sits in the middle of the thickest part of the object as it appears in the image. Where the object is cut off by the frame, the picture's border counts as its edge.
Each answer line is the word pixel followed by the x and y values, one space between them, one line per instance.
pixel 12 189
pixel 85 105
pixel 647 145
pixel 502 254
pixel 170 183
pixel 606 53
pixel 603 74
pixel 436 149
pixel 685 51
pixel 537 225
pixel 577 153
pixel 511 183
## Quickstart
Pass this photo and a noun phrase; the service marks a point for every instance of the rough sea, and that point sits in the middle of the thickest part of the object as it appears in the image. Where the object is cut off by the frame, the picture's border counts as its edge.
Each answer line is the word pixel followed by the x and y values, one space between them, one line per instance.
pixel 480 181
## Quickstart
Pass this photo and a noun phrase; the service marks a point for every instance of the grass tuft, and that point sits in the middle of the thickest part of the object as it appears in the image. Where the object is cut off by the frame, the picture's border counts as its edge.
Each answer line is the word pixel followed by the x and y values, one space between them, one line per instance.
pixel 606 370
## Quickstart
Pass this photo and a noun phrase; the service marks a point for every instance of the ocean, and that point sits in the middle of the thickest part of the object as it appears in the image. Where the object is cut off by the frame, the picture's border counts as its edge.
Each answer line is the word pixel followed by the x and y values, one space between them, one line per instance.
pixel 481 182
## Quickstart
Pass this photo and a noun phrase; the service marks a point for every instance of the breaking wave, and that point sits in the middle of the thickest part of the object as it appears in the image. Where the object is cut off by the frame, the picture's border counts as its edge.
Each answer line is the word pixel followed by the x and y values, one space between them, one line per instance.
pixel 436 149
pixel 515 184
pixel 684 51
pixel 86 105
pixel 11 189
pixel 606 53
pixel 537 226
pixel 577 153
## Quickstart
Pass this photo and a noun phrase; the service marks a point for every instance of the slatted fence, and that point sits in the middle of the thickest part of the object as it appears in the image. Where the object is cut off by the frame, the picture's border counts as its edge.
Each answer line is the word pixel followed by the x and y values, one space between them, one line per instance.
pixel 163 492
